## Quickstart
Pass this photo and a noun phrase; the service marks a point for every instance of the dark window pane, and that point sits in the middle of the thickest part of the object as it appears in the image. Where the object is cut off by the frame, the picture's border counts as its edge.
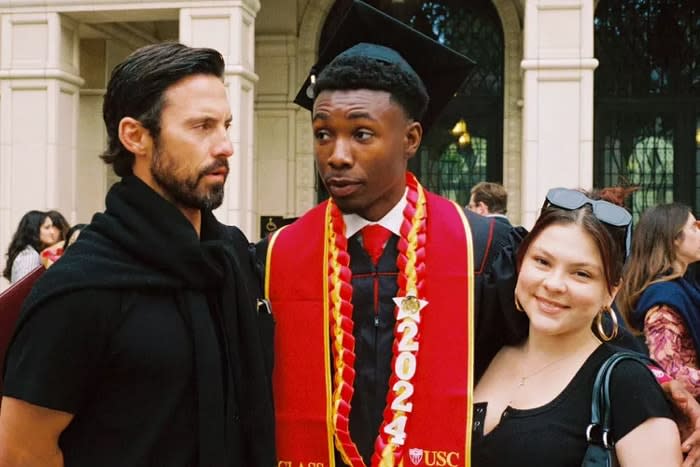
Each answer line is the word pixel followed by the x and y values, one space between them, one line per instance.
pixel 647 96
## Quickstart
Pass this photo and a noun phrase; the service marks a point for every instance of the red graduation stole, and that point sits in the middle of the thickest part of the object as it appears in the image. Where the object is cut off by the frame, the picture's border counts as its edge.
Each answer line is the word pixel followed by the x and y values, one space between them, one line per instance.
pixel 432 424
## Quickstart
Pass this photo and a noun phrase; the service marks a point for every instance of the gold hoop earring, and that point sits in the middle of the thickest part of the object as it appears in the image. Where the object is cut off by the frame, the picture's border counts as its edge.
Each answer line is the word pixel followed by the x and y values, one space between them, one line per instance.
pixel 599 324
pixel 518 306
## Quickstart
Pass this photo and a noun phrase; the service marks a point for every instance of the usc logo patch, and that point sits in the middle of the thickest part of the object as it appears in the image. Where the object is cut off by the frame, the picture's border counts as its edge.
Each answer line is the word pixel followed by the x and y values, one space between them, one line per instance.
pixel 434 458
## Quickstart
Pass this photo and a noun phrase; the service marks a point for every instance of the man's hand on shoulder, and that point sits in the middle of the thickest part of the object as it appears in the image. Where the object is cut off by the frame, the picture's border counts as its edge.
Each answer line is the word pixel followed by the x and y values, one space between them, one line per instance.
pixel 29 434
pixel 688 418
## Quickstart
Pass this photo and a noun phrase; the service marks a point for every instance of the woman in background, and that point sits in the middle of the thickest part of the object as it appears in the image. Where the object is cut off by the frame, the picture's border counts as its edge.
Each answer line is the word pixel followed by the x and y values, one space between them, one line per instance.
pixel 657 299
pixel 35 232
pixel 52 253
pixel 60 223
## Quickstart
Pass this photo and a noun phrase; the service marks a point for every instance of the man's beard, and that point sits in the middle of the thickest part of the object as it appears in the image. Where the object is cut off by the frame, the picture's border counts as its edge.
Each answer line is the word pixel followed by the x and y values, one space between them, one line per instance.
pixel 184 191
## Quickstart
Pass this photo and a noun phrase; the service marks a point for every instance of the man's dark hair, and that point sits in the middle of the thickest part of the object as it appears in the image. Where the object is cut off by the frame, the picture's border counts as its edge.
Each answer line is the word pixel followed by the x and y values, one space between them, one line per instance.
pixel 137 86
pixel 359 72
pixel 493 195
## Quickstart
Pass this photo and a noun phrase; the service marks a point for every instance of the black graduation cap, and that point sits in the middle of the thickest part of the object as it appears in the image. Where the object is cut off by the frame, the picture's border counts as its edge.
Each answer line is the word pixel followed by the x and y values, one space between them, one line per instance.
pixel 441 69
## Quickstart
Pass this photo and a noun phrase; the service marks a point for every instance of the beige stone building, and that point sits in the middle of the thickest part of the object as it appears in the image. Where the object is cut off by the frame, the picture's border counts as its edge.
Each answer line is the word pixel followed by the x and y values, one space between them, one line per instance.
pixel 529 121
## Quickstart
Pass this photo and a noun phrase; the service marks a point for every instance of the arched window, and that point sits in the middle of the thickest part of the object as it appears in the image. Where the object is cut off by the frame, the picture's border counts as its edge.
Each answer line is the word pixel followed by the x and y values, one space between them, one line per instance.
pixel 647 99
pixel 465 145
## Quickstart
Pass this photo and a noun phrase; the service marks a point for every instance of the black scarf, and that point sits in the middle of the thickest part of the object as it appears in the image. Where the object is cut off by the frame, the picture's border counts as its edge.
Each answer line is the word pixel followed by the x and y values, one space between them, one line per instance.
pixel 144 242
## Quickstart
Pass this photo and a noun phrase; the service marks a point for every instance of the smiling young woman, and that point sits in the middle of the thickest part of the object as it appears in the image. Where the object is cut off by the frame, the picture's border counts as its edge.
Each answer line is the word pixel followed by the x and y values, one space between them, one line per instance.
pixel 533 402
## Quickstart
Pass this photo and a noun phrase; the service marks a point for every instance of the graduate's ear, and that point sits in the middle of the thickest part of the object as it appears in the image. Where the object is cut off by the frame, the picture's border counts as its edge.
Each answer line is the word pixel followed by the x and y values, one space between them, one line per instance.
pixel 135 137
pixel 412 138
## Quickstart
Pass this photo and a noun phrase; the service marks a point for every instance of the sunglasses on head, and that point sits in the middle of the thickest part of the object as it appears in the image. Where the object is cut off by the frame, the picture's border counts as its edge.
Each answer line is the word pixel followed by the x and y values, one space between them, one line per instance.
pixel 604 211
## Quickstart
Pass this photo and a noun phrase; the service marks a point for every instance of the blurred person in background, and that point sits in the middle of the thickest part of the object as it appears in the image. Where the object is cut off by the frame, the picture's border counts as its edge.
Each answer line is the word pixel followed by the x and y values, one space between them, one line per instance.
pixel 60 222
pixel 491 200
pixel 657 298
pixel 50 254
pixel 36 231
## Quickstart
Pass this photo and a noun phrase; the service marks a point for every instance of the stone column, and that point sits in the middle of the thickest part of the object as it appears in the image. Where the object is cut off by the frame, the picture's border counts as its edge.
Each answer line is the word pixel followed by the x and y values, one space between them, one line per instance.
pixel 39 83
pixel 93 177
pixel 231 30
pixel 275 114
pixel 558 68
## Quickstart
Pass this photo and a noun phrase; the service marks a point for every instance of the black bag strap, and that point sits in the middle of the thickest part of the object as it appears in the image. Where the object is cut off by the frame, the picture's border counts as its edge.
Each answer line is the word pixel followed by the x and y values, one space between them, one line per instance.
pixel 601 419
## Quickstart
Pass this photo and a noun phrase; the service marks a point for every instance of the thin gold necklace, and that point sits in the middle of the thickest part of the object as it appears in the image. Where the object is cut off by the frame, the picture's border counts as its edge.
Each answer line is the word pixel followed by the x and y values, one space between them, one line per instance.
pixel 523 379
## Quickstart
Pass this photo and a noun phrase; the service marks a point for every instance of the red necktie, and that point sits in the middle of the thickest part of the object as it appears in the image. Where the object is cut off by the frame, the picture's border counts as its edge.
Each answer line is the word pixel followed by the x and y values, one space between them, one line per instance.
pixel 374 237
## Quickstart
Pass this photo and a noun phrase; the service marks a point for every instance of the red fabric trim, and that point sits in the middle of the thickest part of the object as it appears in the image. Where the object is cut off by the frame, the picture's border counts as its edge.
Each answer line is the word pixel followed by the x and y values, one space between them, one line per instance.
pixel 300 380
pixel 11 301
pixel 487 250
pixel 375 290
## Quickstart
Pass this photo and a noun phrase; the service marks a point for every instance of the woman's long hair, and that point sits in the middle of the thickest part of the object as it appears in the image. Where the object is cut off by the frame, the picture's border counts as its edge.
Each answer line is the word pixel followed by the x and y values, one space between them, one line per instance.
pixel 653 254
pixel 27 234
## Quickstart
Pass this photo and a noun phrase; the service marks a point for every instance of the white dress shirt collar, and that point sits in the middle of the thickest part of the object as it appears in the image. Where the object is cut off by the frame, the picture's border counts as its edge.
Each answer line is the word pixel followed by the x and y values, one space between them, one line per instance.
pixel 392 220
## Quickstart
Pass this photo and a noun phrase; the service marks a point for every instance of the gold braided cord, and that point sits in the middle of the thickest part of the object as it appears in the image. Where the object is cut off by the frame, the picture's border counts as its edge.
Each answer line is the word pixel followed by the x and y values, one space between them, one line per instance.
pixel 417 225
pixel 343 342
pixel 411 274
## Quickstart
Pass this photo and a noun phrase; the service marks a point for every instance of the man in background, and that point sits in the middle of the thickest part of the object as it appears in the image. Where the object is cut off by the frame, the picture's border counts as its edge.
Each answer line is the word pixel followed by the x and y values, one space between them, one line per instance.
pixel 491 200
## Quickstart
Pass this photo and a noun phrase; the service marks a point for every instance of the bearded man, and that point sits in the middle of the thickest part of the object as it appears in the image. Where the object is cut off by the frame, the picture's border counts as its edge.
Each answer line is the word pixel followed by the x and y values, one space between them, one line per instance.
pixel 143 345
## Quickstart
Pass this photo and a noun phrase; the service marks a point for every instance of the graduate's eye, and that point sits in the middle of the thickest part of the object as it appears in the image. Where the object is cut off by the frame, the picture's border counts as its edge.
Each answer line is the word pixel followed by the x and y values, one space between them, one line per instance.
pixel 322 135
pixel 363 135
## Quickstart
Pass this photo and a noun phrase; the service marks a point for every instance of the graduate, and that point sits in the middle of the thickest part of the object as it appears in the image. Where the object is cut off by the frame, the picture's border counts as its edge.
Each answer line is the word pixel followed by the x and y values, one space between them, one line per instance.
pixel 381 293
